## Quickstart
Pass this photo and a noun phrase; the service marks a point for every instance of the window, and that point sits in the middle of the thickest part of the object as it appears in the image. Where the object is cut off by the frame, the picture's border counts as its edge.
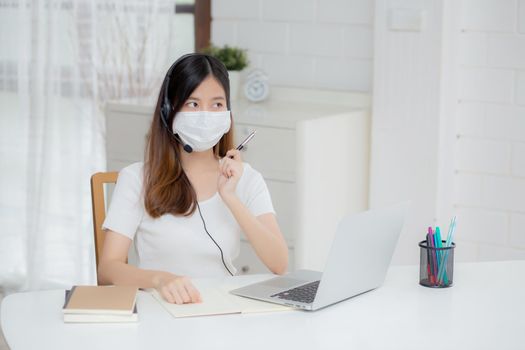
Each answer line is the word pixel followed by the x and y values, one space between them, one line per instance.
pixel 194 19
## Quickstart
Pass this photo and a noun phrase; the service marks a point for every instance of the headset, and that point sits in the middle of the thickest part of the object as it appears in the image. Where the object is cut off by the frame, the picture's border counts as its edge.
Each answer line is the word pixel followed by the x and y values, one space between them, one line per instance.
pixel 165 111
pixel 166 108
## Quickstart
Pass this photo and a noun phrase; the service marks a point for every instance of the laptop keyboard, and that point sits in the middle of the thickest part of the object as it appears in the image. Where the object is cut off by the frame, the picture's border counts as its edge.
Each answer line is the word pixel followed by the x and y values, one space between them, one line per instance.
pixel 303 294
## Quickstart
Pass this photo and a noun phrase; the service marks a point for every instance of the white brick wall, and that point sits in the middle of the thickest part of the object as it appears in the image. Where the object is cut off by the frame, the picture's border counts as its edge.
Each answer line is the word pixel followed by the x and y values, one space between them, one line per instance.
pixel 467 189
pixel 503 193
pixel 316 39
pixel 505 122
pixel 288 68
pixel 343 74
pixel 490 125
pixel 236 9
pixel 520 94
pixel 329 44
pixel 521 17
pixel 470 119
pixel 223 32
pixel 518 160
pixel 488 15
pixel 486 156
pixel 483 226
pixel 473 48
pixel 517 228
pixel 293 10
pixel 493 252
pixel 486 84
pixel 304 43
pixel 506 50
pixel 262 36
pixel 345 11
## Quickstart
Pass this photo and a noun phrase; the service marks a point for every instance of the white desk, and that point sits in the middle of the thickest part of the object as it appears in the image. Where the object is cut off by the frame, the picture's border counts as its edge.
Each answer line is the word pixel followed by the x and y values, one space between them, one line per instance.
pixel 483 310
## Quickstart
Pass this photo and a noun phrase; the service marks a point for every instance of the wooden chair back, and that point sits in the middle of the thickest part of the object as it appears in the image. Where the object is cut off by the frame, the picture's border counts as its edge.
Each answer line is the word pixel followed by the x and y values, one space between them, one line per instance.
pixel 98 203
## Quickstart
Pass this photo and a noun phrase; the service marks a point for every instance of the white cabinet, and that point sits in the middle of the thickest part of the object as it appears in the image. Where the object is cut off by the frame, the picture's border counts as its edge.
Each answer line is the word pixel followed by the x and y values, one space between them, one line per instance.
pixel 312 147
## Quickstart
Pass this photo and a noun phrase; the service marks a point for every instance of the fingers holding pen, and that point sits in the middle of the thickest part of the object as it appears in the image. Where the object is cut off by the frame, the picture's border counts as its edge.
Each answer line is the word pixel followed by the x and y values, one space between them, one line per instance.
pixel 234 154
pixel 226 166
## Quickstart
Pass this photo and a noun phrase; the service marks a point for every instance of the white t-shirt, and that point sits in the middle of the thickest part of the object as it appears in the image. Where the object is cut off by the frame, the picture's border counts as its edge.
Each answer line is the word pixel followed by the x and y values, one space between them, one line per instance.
pixel 179 244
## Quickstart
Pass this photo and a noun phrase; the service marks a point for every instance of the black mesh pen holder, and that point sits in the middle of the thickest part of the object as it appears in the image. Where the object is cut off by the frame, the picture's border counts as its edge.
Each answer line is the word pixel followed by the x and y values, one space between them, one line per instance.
pixel 436 265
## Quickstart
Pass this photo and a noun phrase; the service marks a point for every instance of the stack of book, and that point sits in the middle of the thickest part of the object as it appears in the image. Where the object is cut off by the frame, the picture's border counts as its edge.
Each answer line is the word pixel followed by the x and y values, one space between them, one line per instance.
pixel 88 304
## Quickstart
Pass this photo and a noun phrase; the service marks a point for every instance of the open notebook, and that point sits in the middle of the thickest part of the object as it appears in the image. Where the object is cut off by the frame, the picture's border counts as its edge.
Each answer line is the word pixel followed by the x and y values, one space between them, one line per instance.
pixel 217 301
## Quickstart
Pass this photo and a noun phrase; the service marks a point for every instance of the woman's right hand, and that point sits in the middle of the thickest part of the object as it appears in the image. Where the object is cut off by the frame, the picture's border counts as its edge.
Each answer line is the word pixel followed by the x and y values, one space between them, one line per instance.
pixel 176 289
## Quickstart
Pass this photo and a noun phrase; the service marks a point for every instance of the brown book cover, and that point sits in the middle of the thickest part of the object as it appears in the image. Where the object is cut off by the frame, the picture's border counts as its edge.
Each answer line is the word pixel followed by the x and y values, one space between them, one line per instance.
pixel 117 300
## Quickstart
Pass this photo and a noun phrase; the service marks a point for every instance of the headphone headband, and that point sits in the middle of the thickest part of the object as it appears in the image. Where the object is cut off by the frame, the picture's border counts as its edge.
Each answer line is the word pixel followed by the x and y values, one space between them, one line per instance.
pixel 167 108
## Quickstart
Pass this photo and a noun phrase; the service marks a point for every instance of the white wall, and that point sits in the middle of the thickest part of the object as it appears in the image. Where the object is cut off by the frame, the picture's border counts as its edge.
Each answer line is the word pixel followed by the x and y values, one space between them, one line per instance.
pixel 304 43
pixel 449 123
pixel 448 102
pixel 490 127
pixel 406 117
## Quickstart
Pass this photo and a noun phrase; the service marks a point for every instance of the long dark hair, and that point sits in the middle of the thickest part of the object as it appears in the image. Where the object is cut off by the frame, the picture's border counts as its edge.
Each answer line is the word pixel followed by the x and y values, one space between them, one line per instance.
pixel 167 189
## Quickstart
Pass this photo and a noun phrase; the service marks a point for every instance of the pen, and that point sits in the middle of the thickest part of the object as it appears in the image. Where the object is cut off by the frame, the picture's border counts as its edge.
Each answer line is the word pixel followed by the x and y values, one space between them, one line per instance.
pixel 440 256
pixel 437 239
pixel 430 268
pixel 442 272
pixel 431 251
pixel 246 140
pixel 451 229
pixel 241 146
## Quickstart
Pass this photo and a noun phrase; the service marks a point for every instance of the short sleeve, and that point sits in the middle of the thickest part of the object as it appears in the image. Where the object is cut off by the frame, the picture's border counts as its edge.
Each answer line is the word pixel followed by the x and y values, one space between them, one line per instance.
pixel 126 209
pixel 256 195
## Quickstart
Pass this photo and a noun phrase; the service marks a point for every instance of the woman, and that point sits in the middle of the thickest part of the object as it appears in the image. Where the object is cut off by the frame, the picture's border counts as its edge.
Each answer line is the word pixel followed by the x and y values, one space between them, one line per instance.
pixel 193 197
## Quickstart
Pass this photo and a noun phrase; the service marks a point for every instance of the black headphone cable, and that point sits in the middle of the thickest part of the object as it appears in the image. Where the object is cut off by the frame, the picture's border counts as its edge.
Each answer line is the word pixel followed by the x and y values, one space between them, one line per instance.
pixel 205 229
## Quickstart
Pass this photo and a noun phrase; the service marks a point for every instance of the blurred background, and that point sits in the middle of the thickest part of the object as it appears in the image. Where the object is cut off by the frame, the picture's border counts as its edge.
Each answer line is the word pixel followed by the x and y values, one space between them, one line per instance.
pixel 391 99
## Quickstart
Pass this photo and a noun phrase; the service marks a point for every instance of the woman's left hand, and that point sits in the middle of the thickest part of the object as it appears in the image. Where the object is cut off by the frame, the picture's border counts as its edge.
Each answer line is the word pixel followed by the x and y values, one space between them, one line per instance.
pixel 230 171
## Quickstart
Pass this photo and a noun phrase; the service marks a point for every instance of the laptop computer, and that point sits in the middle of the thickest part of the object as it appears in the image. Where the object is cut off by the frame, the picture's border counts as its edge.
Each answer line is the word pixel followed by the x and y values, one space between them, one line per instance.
pixel 357 262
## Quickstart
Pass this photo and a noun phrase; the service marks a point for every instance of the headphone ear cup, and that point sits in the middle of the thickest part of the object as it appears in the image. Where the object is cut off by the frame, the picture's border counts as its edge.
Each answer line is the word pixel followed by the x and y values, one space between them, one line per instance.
pixel 164 114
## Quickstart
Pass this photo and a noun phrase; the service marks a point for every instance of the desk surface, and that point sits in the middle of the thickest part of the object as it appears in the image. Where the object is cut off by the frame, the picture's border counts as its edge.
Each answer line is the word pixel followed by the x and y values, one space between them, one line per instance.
pixel 483 310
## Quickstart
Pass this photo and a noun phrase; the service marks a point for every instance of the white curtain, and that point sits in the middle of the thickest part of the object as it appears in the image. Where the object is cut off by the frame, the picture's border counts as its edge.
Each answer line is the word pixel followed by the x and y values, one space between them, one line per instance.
pixel 60 61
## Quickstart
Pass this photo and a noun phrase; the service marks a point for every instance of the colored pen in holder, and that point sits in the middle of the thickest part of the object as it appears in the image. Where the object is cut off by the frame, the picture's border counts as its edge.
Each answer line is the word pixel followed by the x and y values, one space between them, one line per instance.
pixel 436 265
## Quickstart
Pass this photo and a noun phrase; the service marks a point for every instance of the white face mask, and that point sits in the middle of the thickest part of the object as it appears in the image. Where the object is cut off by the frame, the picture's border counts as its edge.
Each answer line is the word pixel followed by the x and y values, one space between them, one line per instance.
pixel 201 130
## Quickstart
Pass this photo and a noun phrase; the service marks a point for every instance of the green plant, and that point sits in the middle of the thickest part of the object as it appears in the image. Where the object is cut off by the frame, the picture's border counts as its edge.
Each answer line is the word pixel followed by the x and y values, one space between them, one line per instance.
pixel 234 58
